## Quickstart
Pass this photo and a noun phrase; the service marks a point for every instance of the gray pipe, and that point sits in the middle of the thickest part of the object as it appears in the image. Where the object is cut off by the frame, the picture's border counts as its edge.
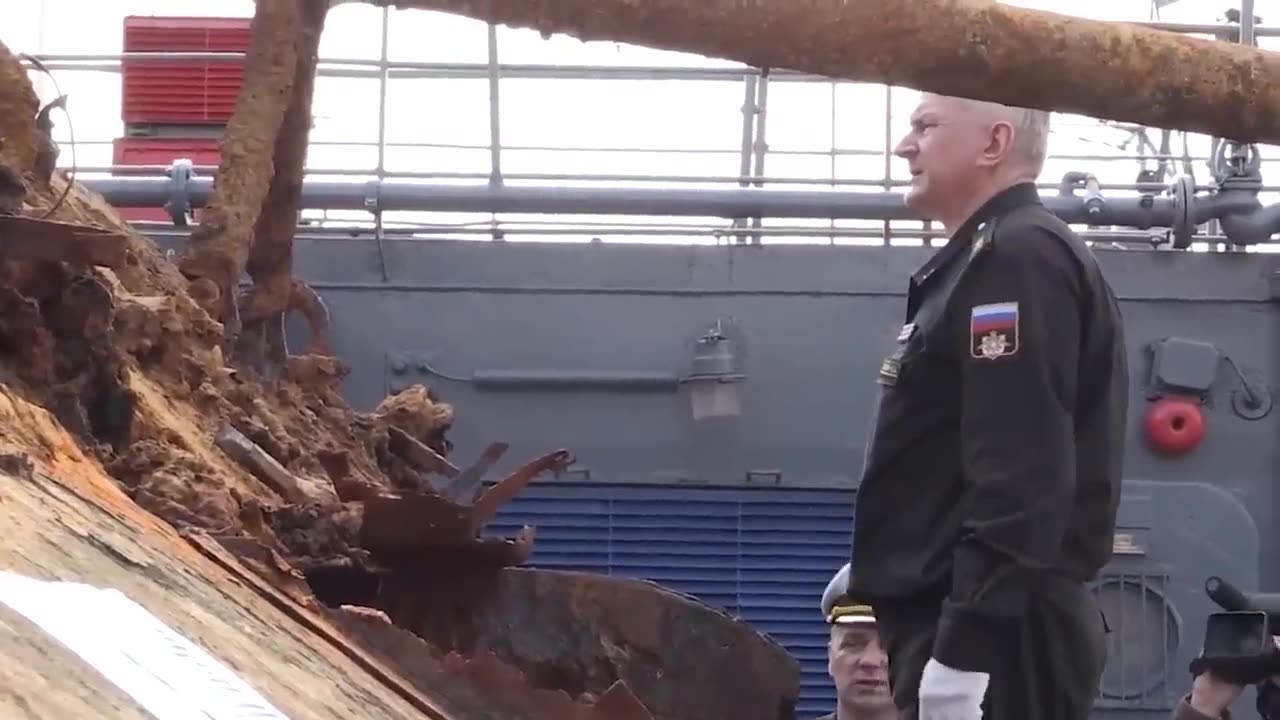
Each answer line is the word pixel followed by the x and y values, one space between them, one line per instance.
pixel 394 195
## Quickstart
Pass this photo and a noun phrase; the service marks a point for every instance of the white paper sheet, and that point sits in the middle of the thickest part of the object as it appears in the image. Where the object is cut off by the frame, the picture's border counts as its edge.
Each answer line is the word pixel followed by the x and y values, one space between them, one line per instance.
pixel 168 675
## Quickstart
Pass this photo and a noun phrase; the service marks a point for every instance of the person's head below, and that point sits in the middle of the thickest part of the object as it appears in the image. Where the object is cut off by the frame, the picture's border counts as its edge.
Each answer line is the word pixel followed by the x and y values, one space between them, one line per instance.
pixel 961 152
pixel 857 663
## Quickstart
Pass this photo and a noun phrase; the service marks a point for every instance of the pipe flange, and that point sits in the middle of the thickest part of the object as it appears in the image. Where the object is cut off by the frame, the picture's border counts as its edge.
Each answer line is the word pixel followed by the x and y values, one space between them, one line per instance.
pixel 1183 227
pixel 1251 409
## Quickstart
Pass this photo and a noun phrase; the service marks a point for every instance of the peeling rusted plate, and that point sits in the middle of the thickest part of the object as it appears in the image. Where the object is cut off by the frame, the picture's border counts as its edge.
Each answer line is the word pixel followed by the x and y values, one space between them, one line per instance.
pixel 682 659
pixel 24 238
pixel 619 703
pixel 505 685
pixel 398 523
pixel 481 688
pixel 212 550
pixel 423 529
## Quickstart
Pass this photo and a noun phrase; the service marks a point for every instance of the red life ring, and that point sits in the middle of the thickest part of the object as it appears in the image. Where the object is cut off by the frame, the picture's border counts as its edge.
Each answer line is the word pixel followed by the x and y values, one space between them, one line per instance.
pixel 1175 425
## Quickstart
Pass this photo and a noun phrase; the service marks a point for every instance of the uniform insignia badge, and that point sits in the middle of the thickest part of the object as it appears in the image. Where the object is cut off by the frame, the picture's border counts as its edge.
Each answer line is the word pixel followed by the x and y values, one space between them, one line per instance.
pixel 889 369
pixel 906 332
pixel 993 330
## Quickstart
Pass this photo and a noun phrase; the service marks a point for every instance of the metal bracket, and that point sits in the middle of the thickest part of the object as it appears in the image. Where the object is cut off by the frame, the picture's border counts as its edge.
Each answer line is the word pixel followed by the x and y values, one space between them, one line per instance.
pixel 574 474
pixel 403 370
pixel 1251 408
pixel 764 477
pixel 178 206
pixel 373 204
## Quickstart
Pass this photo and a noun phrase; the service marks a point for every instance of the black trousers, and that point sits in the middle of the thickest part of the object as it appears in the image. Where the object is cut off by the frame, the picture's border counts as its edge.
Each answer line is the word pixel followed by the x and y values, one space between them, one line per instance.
pixel 1050 660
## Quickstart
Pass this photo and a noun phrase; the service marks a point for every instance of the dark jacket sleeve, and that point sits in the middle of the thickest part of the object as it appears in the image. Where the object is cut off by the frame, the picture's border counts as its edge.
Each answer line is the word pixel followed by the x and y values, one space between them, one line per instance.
pixel 1016 312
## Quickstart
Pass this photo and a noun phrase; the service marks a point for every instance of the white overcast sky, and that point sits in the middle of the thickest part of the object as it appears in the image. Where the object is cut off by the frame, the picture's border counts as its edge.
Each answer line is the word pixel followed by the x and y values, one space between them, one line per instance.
pixel 543 120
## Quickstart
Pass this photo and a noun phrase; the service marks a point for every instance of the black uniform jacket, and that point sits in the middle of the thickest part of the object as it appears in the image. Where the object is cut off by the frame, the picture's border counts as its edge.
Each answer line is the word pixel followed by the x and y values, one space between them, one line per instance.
pixel 995 455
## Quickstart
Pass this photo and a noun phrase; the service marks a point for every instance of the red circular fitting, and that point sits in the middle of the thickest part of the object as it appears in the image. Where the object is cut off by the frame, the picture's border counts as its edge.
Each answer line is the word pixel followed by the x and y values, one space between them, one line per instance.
pixel 1175 425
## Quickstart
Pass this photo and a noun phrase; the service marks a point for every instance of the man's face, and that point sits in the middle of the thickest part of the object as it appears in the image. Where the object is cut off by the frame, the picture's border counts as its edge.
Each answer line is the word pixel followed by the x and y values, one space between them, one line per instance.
pixel 948 144
pixel 859 667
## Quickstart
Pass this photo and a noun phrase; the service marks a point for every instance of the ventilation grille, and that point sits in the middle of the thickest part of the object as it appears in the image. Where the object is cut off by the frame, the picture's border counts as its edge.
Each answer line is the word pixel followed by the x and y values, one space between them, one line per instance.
pixel 182 92
pixel 1143 641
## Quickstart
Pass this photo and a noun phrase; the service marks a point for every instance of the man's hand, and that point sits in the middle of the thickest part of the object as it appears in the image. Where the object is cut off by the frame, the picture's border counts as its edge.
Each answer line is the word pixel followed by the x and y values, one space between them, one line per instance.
pixel 1211 695
pixel 949 694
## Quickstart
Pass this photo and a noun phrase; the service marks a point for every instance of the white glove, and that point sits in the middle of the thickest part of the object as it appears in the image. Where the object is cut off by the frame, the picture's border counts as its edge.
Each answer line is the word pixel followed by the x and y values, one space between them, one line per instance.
pixel 949 694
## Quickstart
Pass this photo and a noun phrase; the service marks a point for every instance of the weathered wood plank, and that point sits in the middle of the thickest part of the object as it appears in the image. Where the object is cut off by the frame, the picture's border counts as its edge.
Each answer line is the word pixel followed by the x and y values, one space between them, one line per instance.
pixel 968 48
pixel 24 238
pixel 84 529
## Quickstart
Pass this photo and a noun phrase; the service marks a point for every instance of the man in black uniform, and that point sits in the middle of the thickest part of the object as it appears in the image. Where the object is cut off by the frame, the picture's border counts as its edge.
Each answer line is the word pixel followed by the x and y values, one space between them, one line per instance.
pixel 992 474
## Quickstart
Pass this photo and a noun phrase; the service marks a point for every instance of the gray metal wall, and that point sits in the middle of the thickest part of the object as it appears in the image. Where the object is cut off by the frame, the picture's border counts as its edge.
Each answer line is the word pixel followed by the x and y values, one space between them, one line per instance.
pixel 815 322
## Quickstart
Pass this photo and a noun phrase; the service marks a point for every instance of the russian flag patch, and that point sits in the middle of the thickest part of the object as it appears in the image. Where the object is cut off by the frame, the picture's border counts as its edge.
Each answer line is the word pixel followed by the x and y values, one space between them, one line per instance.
pixel 993 330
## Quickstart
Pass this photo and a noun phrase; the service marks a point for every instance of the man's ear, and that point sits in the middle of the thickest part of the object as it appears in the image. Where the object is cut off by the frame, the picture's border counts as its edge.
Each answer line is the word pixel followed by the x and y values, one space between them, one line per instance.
pixel 999 144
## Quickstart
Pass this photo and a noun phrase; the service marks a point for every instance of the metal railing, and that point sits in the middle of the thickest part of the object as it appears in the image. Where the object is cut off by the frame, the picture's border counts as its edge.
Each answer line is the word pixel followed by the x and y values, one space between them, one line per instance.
pixel 753 151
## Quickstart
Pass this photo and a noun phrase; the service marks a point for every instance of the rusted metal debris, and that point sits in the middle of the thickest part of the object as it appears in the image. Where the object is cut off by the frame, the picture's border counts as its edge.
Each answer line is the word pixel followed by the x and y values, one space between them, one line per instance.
pixel 24 238
pixel 417 454
pixel 503 491
pixel 583 633
pixel 260 463
pixel 482 687
pixel 404 662
pixel 462 488
pixel 270 260
pixel 413 528
pixel 221 556
pixel 425 529
pixel 219 248
pixel 504 684
pixel 262 344
pixel 306 301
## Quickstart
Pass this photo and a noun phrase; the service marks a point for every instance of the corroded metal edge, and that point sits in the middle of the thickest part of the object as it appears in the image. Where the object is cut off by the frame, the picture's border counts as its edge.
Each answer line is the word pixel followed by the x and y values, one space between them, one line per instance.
pixel 219 555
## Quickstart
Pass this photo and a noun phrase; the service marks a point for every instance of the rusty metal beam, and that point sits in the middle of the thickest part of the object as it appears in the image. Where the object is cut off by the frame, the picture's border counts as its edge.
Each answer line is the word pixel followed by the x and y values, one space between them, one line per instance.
pixel 982 50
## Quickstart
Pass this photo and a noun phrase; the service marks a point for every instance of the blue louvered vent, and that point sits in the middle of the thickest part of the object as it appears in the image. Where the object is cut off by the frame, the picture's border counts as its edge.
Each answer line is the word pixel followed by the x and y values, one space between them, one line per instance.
pixel 764 555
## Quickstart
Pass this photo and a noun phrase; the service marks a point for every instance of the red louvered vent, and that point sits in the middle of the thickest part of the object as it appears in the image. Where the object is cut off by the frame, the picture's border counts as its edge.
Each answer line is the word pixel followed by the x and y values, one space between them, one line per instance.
pixel 182 92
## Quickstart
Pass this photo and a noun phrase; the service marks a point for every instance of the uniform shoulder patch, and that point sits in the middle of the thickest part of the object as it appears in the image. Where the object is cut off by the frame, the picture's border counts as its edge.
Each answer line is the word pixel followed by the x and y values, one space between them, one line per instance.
pixel 993 330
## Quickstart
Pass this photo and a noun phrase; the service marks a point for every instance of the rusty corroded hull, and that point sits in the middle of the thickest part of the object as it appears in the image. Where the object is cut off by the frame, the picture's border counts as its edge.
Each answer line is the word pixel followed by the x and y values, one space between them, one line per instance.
pixel 584 633
pixel 981 50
